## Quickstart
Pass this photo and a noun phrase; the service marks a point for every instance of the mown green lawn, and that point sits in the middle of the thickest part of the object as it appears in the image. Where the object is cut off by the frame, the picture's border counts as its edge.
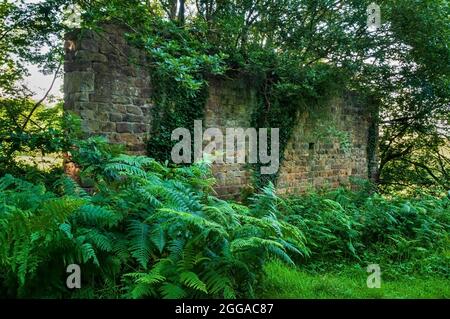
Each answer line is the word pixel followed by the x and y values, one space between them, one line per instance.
pixel 284 282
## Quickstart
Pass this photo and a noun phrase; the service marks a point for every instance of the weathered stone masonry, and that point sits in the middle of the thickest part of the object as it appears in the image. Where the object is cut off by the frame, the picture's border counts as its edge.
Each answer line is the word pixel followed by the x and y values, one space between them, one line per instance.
pixel 111 94
pixel 312 162
pixel 107 84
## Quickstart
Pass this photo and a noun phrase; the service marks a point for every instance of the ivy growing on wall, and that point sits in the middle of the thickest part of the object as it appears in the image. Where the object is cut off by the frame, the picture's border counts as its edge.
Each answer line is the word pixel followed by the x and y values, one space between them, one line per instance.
pixel 287 95
pixel 174 108
pixel 178 62
pixel 181 60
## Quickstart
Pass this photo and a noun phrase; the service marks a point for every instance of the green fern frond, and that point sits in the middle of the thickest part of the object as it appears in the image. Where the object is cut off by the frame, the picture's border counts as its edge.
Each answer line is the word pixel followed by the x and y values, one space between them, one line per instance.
pixel 149 197
pixel 176 247
pixel 57 210
pixel 97 215
pixel 151 278
pixel 136 161
pixel 242 244
pixel 118 169
pixel 69 187
pixel 139 242
pixel 88 253
pixel 7 181
pixel 100 240
pixel 66 229
pixel 142 291
pixel 120 247
pixel 158 238
pixel 188 258
pixel 280 253
pixel 189 218
pixel 172 291
pixel 191 280
pixel 229 293
pixel 217 282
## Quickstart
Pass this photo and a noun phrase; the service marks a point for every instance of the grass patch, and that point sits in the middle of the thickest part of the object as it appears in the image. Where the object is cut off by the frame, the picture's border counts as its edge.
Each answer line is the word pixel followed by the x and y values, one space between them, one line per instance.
pixel 282 281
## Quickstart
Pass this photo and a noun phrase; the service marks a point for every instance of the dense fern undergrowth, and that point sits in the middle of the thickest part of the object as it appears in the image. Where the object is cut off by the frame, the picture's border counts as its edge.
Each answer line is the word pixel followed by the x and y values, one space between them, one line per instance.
pixel 147 230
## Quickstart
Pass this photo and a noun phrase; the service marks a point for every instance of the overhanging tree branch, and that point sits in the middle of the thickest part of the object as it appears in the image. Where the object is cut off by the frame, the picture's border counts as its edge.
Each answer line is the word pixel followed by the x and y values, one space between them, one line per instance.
pixel 38 103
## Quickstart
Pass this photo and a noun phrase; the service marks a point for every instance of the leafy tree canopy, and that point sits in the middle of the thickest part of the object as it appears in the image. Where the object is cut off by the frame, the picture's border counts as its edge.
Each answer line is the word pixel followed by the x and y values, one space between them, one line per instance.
pixel 300 49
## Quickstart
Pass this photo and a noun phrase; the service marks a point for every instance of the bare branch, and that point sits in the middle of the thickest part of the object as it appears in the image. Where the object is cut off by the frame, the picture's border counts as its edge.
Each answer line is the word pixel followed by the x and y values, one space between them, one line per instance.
pixel 27 120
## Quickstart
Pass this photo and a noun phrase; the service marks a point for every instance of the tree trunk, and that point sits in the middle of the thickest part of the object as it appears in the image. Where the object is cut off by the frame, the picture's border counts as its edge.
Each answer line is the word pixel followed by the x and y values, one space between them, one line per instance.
pixel 181 12
pixel 173 10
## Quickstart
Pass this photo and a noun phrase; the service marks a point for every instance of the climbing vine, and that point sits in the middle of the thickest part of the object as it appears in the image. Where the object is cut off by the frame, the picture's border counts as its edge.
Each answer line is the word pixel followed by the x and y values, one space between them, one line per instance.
pixel 179 62
pixel 182 58
pixel 174 108
pixel 283 99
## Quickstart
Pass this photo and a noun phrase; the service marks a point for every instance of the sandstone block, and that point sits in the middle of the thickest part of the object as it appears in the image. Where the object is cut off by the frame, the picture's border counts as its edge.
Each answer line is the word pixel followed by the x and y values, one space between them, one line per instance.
pixel 84 55
pixel 115 117
pixel 78 81
pixel 135 110
pixel 124 127
pixel 133 118
pixel 89 44
pixel 140 128
pixel 108 127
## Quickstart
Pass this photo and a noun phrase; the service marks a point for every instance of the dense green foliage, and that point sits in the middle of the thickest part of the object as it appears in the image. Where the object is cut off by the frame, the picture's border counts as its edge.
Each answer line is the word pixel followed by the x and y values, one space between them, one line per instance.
pixel 296 51
pixel 46 131
pixel 403 235
pixel 27 125
pixel 147 231
pixel 143 229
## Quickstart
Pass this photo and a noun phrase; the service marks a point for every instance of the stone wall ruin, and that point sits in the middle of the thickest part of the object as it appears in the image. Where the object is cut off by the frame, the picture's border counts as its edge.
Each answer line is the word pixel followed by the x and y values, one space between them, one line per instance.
pixel 107 84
